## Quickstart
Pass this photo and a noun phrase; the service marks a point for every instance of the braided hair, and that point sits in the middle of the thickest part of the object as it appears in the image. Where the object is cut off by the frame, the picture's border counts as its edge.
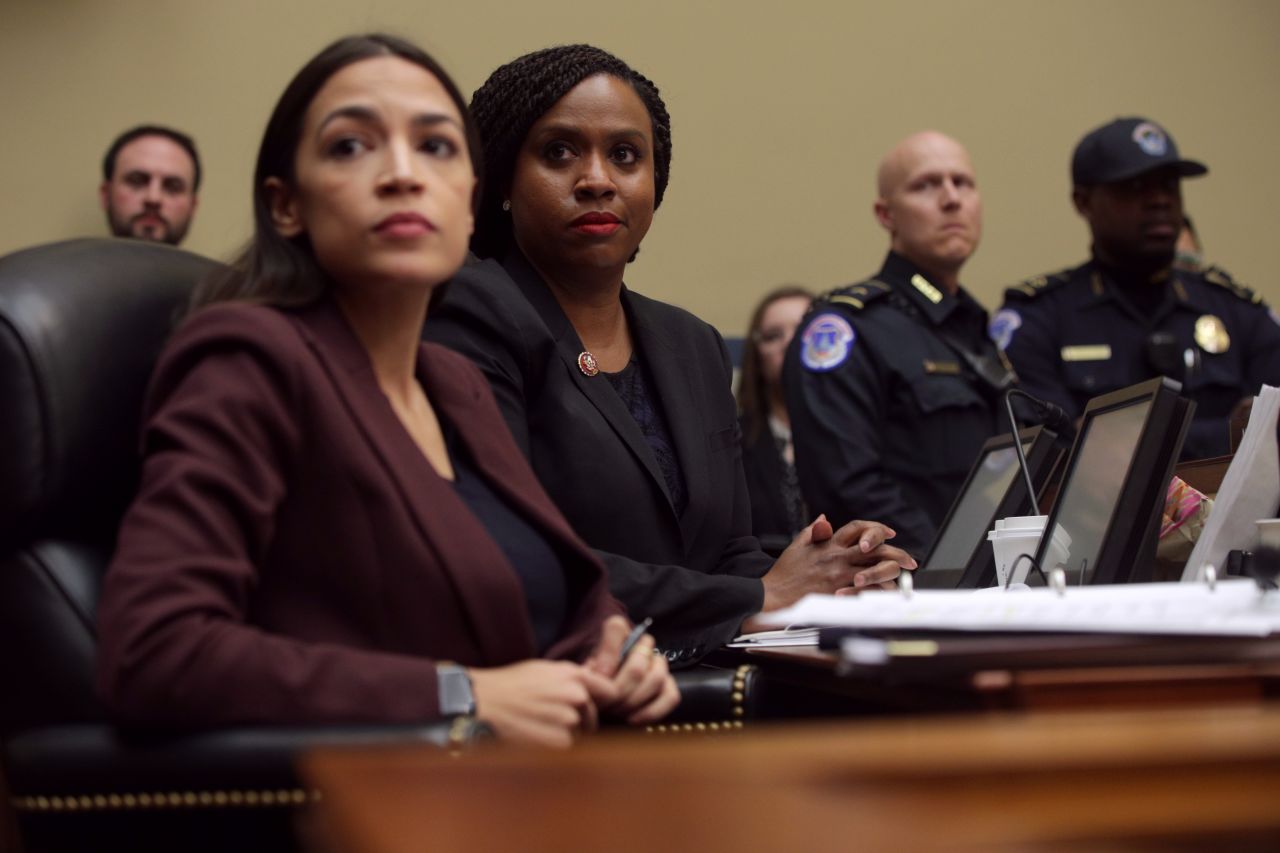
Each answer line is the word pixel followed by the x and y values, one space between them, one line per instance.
pixel 516 95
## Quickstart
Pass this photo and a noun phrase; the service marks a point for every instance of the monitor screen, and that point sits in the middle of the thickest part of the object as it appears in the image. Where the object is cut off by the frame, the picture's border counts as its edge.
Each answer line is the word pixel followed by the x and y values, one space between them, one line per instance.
pixel 1092 488
pixel 974 512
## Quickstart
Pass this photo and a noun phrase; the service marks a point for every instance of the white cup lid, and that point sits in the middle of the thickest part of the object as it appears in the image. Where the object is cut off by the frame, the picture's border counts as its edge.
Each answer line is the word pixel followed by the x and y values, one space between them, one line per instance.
pixel 1022 522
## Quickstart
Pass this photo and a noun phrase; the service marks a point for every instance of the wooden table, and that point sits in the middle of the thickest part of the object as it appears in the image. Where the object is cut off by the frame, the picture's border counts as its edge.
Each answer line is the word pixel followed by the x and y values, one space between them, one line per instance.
pixel 1082 781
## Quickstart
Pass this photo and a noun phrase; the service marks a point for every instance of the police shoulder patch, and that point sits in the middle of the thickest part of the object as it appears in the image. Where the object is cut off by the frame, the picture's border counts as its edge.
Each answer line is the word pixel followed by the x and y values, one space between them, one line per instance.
pixel 1038 285
pixel 826 342
pixel 1220 277
pixel 1002 326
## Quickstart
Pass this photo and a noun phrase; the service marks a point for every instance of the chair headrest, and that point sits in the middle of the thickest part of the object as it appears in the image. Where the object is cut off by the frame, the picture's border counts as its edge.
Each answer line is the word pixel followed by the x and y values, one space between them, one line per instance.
pixel 81 325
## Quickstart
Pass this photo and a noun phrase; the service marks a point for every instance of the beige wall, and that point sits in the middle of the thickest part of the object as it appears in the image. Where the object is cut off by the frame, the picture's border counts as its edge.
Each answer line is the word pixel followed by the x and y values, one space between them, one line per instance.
pixel 780 113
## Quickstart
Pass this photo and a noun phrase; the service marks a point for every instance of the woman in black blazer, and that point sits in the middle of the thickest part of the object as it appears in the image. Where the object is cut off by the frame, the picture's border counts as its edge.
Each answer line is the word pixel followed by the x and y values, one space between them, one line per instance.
pixel 622 403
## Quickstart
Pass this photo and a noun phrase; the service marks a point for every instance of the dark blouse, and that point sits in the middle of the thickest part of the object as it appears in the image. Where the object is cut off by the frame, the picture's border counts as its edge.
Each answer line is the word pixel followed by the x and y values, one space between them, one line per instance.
pixel 633 388
pixel 539 568
pixel 778 510
pixel 789 487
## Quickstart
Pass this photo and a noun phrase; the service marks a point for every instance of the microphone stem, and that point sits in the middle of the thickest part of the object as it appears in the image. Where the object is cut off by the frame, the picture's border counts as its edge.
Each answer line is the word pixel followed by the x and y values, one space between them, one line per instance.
pixel 1017 445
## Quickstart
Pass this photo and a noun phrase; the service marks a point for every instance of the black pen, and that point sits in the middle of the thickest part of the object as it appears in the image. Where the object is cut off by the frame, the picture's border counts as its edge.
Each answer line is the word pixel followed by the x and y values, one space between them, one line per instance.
pixel 634 637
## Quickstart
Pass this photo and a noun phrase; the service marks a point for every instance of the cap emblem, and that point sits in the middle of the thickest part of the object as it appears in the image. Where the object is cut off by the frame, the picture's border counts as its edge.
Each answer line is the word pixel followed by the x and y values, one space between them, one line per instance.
pixel 1151 139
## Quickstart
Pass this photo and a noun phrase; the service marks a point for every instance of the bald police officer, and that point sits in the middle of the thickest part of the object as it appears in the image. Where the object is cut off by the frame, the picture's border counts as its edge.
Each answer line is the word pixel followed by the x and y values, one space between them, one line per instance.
pixel 1128 314
pixel 892 384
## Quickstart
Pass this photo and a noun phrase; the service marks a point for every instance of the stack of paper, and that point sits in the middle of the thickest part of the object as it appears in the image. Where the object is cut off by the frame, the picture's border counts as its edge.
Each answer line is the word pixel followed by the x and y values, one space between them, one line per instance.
pixel 1250 491
pixel 1234 608
pixel 776 639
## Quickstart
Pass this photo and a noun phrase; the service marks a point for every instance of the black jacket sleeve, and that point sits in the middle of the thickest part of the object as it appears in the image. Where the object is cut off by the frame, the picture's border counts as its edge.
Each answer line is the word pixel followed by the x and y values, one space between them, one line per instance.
pixel 838 419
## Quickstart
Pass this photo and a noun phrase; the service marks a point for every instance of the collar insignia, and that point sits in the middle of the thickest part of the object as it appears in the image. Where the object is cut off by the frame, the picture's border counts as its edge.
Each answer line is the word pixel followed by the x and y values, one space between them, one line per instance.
pixel 930 292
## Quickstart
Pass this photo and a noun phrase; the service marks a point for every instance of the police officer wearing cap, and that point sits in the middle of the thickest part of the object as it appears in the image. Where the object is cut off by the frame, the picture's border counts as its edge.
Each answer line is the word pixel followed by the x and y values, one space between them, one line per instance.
pixel 1128 314
pixel 892 384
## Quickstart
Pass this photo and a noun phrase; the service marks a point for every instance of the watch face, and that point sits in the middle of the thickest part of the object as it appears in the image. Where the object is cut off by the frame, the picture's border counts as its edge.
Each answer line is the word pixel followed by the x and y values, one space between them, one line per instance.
pixel 454 687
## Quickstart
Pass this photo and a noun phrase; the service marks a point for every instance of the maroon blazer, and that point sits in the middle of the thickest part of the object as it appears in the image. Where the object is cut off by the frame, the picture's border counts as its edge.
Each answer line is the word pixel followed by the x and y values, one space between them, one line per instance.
pixel 292 557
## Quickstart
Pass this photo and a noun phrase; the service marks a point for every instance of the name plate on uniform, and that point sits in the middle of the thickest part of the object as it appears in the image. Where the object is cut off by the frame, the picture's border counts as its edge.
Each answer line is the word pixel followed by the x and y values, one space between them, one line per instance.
pixel 948 368
pixel 1087 352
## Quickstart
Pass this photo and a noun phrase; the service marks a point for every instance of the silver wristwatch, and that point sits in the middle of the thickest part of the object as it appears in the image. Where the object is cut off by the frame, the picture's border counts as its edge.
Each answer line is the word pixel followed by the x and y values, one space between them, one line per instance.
pixel 454 688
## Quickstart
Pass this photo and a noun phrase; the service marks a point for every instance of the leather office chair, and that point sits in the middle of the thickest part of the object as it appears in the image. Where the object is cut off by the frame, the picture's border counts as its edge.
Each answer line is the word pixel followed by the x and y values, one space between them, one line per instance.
pixel 81 324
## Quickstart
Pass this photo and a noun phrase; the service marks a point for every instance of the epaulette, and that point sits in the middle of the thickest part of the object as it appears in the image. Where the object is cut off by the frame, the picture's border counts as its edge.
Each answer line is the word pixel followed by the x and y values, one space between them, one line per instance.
pixel 1222 278
pixel 1039 284
pixel 857 296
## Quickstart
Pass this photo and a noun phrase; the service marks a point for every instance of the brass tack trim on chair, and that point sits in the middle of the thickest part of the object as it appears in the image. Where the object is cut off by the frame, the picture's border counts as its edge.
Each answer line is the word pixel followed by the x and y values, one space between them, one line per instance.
pixel 738 697
pixel 165 800
pixel 694 728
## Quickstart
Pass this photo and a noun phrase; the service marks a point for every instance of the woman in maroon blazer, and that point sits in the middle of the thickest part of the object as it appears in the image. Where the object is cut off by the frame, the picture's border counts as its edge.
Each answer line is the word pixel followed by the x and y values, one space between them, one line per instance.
pixel 334 524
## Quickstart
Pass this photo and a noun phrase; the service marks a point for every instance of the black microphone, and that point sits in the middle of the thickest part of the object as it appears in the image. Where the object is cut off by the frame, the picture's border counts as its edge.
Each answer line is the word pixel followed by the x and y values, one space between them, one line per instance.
pixel 1052 416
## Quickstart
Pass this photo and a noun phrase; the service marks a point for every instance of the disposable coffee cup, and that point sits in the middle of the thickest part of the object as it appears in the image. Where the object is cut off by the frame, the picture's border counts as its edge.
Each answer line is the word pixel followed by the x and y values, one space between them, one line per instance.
pixel 1022 522
pixel 1010 539
pixel 1059 550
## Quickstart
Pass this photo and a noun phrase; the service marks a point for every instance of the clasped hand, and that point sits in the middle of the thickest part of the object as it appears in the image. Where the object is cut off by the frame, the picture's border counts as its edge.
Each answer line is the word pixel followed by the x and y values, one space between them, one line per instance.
pixel 844 561
pixel 546 703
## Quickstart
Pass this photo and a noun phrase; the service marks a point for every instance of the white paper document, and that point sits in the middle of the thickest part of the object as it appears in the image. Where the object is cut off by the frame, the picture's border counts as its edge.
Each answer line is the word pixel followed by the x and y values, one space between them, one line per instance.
pixel 1233 608
pixel 776 639
pixel 1250 491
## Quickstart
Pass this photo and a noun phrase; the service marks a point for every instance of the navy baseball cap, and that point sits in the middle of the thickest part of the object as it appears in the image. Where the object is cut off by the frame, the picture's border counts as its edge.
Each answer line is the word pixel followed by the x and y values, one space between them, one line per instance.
pixel 1126 148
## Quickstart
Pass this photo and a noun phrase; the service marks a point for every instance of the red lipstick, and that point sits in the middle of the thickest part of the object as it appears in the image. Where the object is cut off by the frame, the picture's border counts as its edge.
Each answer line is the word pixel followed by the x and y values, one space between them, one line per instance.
pixel 597 223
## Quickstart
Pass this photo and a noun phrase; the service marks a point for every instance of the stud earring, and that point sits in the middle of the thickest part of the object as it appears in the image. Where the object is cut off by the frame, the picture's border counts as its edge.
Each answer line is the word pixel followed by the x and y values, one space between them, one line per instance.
pixel 506 205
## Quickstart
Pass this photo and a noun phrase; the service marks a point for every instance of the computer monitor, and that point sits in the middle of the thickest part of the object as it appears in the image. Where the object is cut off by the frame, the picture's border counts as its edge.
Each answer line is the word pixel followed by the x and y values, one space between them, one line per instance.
pixel 1104 524
pixel 961 556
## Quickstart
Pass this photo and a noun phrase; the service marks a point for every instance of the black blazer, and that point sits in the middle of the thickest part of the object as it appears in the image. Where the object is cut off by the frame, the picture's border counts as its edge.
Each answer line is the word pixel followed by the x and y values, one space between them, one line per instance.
pixel 696 574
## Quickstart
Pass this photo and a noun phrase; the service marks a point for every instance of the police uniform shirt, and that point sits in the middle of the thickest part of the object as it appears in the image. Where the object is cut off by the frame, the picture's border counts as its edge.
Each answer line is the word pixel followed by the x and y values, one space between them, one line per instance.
pixel 1076 334
pixel 888 407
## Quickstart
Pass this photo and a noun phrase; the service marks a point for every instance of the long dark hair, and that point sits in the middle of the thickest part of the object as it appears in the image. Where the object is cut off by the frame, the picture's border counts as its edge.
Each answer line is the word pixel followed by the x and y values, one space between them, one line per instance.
pixel 753 396
pixel 280 270
pixel 516 95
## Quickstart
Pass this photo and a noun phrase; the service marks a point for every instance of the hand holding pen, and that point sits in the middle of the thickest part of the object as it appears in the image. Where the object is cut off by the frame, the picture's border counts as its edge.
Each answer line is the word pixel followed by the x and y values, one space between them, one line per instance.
pixel 633 638
pixel 644 689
